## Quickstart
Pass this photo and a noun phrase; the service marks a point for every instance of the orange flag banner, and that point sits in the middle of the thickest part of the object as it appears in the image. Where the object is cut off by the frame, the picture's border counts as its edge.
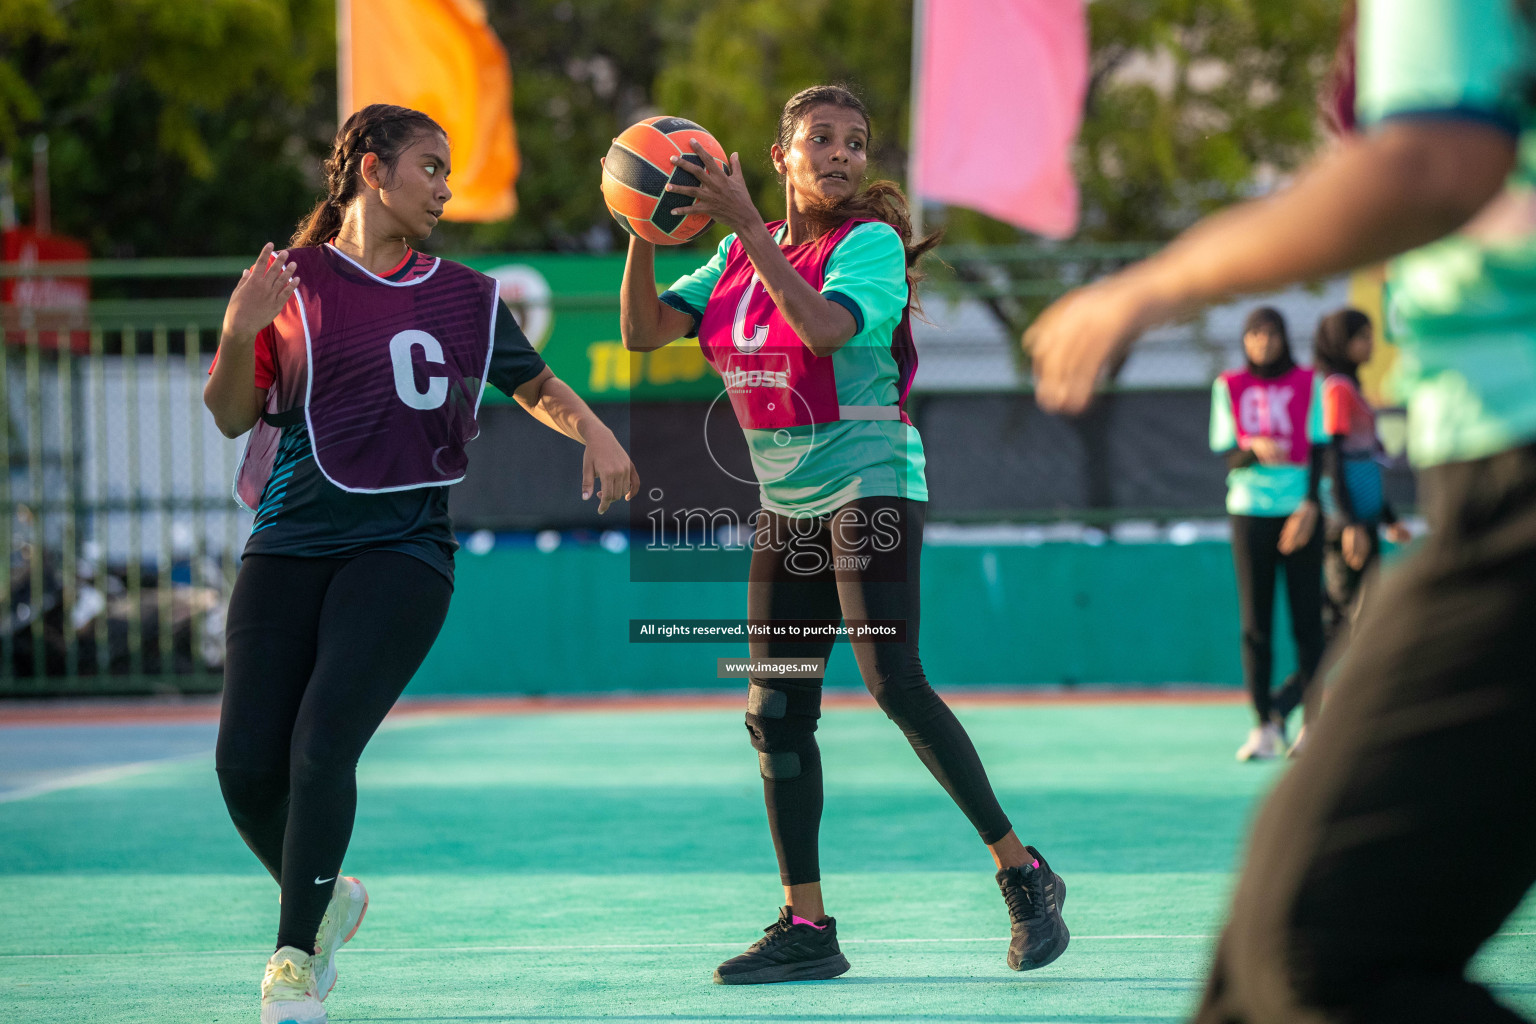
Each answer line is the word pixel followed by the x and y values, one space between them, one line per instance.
pixel 442 58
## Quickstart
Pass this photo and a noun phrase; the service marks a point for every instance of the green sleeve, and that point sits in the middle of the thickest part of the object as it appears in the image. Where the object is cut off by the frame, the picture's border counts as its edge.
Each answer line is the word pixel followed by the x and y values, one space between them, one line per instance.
pixel 1315 432
pixel 1223 427
pixel 690 293
pixel 867 275
pixel 1461 58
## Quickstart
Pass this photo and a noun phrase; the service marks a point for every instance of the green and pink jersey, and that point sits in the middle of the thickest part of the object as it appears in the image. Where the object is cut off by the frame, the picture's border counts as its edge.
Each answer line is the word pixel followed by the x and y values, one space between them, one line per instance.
pixel 1287 409
pixel 825 430
pixel 1463 309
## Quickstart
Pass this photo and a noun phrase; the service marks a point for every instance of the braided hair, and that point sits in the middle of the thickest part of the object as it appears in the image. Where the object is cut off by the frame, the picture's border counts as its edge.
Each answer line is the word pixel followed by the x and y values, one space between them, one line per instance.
pixel 379 128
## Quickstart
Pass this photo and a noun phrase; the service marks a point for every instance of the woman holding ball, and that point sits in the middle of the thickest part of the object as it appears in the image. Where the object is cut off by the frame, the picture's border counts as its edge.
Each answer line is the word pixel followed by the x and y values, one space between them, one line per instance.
pixel 358 418
pixel 807 321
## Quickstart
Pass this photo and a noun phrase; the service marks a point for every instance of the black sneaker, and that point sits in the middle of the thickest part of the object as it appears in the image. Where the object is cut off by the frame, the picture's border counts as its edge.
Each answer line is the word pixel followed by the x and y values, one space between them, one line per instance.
pixel 786 952
pixel 1034 897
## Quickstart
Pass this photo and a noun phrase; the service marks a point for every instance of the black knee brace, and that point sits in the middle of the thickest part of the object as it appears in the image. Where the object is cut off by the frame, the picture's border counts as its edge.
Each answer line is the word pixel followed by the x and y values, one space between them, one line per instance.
pixel 781 719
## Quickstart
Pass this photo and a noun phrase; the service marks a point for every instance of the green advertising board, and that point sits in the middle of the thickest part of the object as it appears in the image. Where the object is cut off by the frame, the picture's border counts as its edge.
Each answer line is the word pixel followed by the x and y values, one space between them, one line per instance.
pixel 568 305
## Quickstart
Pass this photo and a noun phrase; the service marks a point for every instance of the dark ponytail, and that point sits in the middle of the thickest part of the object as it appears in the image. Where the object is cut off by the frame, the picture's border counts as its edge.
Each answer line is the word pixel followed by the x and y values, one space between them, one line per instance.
pixel 379 128
pixel 882 200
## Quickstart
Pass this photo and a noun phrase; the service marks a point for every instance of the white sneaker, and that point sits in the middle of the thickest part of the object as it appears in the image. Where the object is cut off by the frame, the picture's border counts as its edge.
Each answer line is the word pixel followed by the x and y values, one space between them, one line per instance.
pixel 288 994
pixel 348 905
pixel 1264 743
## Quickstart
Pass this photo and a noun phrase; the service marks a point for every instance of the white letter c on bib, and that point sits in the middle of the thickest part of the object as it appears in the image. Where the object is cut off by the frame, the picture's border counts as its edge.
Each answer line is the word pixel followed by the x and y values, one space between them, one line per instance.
pixel 739 337
pixel 400 347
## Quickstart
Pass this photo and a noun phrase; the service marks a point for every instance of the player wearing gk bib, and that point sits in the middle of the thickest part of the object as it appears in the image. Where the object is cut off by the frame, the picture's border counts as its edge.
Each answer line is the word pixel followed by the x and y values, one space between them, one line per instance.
pixel 807 321
pixel 357 365
pixel 1404 838
pixel 1267 418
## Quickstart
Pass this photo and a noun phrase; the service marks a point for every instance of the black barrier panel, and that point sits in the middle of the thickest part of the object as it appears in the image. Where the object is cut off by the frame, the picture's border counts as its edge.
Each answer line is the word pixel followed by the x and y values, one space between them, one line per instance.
pixel 990 456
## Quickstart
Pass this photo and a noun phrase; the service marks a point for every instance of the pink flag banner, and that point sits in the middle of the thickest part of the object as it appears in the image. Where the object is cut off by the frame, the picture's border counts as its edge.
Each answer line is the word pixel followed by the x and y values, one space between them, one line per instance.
pixel 1000 101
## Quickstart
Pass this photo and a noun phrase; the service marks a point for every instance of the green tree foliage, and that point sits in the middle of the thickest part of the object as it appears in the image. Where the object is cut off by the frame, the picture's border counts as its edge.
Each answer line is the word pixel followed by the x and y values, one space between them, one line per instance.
pixel 196 126
pixel 175 126
pixel 1193 102
pixel 743 59
pixel 581 73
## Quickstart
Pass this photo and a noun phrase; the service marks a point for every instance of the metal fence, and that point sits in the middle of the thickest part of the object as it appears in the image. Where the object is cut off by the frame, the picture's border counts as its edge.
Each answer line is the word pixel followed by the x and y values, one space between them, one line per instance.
pixel 115 513
pixel 121 553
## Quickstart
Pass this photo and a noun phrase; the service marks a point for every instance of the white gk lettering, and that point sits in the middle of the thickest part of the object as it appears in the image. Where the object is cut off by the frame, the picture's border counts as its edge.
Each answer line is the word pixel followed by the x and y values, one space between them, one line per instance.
pixel 400 354
pixel 756 378
pixel 739 336
pixel 1264 411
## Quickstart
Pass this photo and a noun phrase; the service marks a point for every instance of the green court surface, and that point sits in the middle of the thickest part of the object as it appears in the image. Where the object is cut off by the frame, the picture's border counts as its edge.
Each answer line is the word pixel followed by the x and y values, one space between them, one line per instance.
pixel 596 864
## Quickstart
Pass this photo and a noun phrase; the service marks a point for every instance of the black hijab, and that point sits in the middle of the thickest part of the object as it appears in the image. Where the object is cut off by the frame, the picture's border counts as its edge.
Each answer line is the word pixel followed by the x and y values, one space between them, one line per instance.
pixel 1268 318
pixel 1330 346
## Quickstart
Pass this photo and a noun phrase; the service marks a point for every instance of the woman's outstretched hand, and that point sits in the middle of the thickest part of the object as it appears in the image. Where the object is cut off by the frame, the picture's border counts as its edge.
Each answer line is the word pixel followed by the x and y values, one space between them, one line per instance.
pixel 1081 335
pixel 608 464
pixel 720 194
pixel 263 291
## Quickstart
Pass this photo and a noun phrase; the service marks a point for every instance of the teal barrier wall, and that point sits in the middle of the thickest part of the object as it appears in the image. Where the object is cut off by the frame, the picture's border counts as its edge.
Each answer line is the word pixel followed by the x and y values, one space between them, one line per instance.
pixel 530 622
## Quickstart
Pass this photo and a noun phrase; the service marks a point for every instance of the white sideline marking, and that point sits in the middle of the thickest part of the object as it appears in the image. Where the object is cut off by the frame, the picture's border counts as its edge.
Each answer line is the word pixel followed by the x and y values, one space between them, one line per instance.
pixel 586 947
pixel 95 777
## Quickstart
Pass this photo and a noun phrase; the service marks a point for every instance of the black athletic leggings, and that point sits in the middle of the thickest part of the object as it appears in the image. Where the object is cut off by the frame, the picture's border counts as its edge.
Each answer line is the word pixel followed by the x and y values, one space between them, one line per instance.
pixel 859 563
pixel 1403 837
pixel 1256 555
pixel 318 650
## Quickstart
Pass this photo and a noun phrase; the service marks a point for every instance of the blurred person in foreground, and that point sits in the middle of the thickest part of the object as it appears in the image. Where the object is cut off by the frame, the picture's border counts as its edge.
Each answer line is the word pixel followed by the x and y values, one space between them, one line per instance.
pixel 1355 506
pixel 1404 837
pixel 1267 419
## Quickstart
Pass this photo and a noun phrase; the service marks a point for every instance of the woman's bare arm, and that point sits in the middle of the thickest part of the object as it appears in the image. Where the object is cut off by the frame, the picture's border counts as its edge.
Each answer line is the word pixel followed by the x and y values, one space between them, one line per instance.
pixel 645 322
pixel 553 403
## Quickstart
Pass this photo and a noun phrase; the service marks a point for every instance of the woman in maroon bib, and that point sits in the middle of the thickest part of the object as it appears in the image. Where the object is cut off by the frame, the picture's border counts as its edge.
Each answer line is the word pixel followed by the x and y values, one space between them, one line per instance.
pixel 357 365
pixel 807 321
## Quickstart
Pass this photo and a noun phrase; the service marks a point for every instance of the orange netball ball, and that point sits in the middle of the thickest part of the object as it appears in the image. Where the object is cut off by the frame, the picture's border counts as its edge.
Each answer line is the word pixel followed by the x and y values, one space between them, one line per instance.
pixel 639 166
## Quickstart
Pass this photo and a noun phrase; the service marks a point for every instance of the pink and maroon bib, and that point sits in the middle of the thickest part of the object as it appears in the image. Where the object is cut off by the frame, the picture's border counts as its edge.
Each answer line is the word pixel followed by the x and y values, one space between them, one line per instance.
pixel 773 379
pixel 1275 407
pixel 386 376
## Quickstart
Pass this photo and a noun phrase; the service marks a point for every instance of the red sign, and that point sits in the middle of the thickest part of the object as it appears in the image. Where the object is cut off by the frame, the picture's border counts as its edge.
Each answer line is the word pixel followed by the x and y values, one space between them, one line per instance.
pixel 51 306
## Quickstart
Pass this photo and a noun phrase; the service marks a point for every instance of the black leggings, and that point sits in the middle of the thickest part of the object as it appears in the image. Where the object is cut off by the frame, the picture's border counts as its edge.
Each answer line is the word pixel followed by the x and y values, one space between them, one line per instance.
pixel 318 650
pixel 1256 554
pixel 1403 837
pixel 860 563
